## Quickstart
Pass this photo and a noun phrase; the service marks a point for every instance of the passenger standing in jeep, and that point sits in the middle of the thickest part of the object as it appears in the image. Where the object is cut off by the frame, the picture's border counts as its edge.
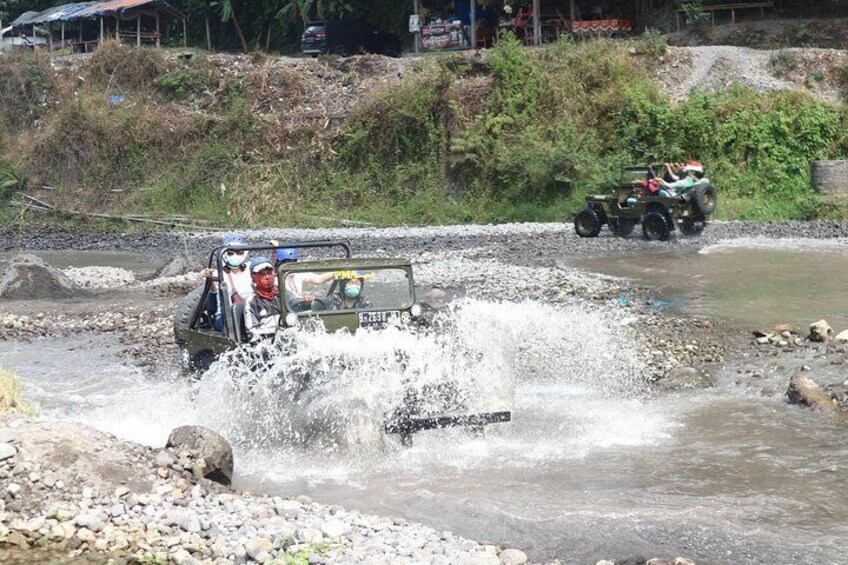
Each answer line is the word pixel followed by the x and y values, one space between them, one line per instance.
pixel 262 315
pixel 237 277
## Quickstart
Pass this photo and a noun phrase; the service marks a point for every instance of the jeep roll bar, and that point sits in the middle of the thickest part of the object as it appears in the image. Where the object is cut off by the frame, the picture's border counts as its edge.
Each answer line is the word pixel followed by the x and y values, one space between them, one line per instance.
pixel 218 252
pixel 343 243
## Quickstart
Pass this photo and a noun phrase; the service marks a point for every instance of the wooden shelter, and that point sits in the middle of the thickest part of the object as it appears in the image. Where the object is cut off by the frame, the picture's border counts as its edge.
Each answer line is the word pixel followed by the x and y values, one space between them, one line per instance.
pixel 142 22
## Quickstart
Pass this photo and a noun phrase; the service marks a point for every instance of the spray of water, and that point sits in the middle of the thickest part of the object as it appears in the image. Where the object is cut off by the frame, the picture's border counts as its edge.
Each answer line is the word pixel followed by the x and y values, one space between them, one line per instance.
pixel 334 392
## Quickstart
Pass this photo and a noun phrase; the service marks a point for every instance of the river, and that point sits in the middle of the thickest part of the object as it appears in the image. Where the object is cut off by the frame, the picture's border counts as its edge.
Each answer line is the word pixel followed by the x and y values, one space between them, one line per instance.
pixel 594 464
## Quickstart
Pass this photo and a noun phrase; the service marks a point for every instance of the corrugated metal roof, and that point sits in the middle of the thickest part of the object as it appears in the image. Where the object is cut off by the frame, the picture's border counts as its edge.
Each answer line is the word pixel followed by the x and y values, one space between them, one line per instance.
pixel 24 18
pixel 120 6
pixel 81 10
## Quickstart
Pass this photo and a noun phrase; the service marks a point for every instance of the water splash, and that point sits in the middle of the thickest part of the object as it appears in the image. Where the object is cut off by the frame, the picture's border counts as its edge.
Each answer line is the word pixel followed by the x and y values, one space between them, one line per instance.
pixel 334 392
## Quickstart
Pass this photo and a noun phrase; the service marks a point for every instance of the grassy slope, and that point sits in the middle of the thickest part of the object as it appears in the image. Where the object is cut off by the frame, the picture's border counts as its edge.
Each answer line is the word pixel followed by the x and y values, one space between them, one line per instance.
pixel 522 136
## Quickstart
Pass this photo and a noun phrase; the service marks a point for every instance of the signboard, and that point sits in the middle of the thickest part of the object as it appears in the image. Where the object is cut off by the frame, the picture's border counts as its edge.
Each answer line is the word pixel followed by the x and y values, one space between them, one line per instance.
pixel 414 24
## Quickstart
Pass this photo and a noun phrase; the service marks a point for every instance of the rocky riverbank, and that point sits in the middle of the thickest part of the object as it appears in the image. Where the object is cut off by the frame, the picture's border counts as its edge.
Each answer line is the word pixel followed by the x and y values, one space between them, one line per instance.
pixel 69 488
pixel 92 497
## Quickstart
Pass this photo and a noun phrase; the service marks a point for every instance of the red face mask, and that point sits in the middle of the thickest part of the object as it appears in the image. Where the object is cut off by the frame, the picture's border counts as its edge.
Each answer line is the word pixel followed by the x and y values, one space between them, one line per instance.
pixel 264 283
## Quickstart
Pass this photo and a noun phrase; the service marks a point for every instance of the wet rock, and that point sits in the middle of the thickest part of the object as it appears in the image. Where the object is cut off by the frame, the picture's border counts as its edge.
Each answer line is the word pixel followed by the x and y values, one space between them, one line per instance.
pixel 820 331
pixel 27 277
pixel 209 453
pixel 806 392
pixel 684 377
pixel 841 336
pixel 512 557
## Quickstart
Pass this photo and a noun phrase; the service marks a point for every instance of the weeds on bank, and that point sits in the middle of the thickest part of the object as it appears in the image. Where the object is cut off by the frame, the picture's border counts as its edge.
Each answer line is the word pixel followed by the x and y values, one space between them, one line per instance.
pixel 520 135
pixel 10 394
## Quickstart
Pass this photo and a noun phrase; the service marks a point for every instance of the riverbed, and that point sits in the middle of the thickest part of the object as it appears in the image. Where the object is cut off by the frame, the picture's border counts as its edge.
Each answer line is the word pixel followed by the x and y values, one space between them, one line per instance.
pixel 596 464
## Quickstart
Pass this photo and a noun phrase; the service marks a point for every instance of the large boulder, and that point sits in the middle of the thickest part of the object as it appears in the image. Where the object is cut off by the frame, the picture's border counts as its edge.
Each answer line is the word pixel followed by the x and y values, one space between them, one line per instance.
pixel 203 451
pixel 820 331
pixel 806 392
pixel 27 277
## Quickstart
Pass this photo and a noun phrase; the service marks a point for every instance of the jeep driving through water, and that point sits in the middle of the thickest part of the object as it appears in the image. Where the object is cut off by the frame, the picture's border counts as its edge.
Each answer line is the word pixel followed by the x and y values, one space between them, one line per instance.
pixel 659 212
pixel 387 299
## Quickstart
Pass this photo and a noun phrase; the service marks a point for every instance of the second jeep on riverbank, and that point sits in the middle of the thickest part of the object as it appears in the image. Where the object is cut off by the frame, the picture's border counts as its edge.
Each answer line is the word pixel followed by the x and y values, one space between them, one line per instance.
pixel 658 213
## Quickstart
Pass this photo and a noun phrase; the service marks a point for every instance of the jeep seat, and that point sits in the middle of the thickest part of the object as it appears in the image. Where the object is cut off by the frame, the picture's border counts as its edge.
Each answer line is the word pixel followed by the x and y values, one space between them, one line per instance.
pixel 238 318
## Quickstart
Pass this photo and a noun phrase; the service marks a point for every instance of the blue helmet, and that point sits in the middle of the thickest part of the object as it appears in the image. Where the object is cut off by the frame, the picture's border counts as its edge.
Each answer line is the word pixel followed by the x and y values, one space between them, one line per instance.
pixel 285 255
pixel 234 240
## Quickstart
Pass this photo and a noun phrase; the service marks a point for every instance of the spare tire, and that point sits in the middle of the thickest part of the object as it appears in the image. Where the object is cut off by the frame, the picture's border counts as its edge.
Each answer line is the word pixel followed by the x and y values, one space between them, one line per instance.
pixel 706 198
pixel 587 223
pixel 184 313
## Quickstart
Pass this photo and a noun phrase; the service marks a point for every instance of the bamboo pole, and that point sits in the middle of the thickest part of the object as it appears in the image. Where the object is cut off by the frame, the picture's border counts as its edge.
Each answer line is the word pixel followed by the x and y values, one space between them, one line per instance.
pixel 537 23
pixel 63 34
pixel 473 10
pixel 138 31
pixel 158 42
pixel 417 10
pixel 101 31
pixel 185 38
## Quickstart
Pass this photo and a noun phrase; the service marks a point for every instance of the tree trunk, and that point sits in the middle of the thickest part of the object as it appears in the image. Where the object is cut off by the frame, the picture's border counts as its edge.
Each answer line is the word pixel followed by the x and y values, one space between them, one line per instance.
pixel 268 36
pixel 238 30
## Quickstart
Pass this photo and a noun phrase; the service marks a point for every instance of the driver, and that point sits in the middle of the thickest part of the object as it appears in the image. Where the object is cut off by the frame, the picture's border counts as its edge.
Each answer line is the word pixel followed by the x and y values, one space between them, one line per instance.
pixel 348 296
pixel 262 315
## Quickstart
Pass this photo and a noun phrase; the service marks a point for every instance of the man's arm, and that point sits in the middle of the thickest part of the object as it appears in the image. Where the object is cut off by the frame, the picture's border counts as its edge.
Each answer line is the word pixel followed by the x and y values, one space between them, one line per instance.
pixel 318 278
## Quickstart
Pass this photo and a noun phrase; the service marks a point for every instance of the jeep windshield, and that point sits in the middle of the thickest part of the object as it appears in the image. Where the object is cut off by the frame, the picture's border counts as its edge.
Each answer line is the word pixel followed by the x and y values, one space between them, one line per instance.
pixel 334 289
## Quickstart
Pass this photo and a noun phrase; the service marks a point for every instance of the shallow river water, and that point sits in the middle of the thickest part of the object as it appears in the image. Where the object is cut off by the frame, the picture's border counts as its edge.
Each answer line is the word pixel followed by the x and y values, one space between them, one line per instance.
pixel 748 281
pixel 593 466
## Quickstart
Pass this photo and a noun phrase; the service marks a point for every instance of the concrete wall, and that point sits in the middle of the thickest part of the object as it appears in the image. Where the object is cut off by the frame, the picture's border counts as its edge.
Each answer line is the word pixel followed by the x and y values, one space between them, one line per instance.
pixel 830 178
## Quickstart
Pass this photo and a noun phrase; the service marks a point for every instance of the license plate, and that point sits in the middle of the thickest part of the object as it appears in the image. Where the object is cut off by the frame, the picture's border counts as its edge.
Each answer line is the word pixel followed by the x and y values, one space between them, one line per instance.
pixel 377 319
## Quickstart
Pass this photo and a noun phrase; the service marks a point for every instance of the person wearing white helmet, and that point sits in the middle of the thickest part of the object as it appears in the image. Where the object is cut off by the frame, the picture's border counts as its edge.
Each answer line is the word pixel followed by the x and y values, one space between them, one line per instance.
pixel 236 276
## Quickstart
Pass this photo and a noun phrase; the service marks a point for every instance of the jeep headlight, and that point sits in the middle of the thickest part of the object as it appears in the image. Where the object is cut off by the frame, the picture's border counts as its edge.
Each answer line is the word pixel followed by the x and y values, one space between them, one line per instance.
pixel 291 319
pixel 415 310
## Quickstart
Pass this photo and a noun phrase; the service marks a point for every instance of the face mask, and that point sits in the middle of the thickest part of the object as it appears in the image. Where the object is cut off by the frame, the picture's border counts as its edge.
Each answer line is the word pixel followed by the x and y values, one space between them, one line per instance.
pixel 352 291
pixel 264 282
pixel 235 259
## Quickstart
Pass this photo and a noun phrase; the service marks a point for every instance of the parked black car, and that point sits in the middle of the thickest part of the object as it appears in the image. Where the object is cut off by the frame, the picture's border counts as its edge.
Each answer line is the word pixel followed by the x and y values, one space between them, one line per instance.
pixel 347 37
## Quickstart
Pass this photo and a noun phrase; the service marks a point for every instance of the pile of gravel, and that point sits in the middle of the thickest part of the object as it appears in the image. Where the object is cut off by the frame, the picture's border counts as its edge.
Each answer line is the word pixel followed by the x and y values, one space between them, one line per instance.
pixel 56 496
pixel 27 277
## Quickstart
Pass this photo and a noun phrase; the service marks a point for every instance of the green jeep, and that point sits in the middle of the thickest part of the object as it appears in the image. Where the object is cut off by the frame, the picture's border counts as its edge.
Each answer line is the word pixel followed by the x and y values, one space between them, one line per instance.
pixel 659 214
pixel 388 298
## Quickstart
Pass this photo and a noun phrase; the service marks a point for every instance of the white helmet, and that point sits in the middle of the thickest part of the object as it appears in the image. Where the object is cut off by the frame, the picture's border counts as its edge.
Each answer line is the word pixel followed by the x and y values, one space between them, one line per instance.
pixel 233 257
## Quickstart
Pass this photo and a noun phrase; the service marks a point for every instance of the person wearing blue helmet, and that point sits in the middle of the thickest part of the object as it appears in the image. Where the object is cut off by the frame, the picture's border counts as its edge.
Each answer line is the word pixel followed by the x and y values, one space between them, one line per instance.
pixel 237 278
pixel 295 282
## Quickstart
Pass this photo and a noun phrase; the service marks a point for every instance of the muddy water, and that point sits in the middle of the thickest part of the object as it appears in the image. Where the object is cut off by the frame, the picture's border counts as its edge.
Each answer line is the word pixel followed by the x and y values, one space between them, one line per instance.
pixel 592 467
pixel 749 282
